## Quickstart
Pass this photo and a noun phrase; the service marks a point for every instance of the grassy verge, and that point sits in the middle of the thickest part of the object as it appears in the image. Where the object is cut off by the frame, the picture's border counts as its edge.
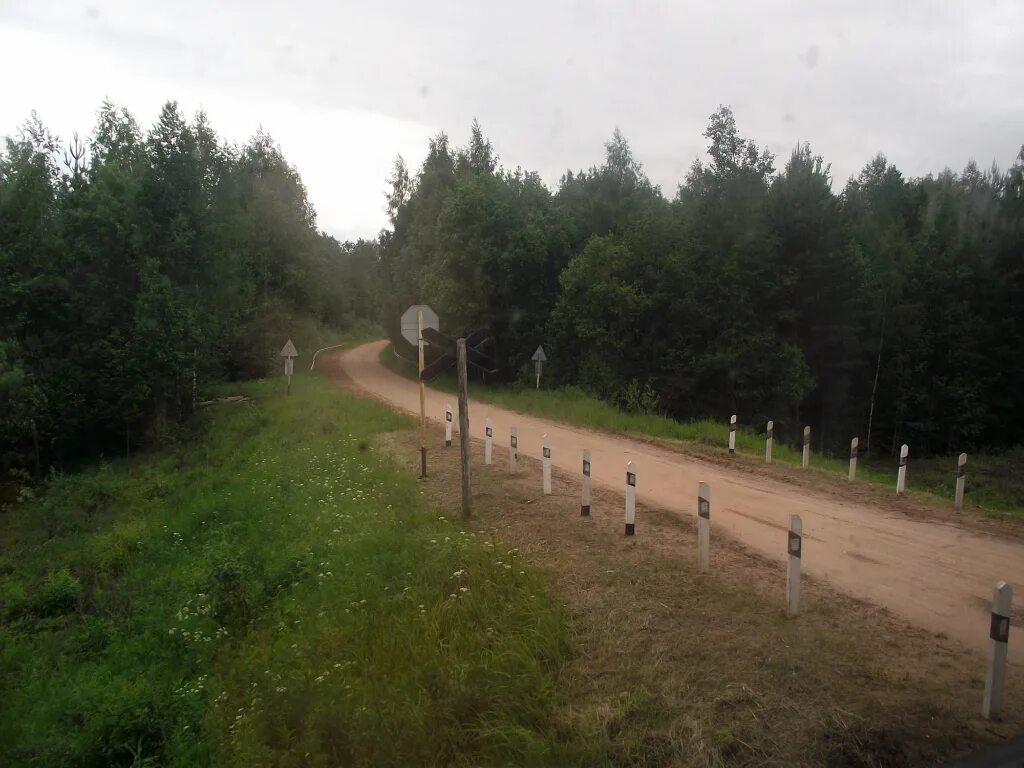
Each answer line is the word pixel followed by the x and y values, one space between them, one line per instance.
pixel 995 482
pixel 683 668
pixel 274 593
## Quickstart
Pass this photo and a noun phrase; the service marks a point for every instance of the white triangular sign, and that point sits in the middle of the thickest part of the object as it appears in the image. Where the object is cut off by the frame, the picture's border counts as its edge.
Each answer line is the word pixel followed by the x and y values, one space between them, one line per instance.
pixel 289 350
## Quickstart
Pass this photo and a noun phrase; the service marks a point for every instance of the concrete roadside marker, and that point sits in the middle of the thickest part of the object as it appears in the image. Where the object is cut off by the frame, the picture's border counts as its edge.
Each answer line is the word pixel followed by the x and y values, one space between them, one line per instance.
pixel 630 499
pixel 901 475
pixel 769 440
pixel 854 446
pixel 448 426
pixel 547 465
pixel 703 527
pixel 961 477
pixel 513 451
pixel 488 440
pixel 795 550
pixel 732 433
pixel 807 447
pixel 585 502
pixel 999 636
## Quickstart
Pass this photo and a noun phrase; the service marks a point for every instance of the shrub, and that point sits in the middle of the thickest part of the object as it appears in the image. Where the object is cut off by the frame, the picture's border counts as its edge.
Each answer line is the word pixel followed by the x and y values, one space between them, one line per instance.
pixel 59 593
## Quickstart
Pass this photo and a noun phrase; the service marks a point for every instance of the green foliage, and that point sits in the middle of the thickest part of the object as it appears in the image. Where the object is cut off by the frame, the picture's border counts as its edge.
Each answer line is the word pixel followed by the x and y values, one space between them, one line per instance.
pixel 275 593
pixel 59 593
pixel 147 268
pixel 890 311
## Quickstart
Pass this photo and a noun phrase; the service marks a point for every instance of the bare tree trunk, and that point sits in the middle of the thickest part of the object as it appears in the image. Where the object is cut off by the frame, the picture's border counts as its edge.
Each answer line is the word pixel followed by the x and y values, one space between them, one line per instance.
pixel 874 387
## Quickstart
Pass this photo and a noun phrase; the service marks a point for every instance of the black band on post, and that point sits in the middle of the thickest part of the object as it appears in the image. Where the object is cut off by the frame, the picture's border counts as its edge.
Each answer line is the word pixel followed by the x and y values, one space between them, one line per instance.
pixel 584 510
pixel 704 508
pixel 1000 629
pixel 795 544
pixel 630 529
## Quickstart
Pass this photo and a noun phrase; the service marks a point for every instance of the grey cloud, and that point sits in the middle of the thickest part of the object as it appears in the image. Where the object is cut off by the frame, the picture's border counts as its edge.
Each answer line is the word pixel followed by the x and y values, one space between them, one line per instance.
pixel 928 84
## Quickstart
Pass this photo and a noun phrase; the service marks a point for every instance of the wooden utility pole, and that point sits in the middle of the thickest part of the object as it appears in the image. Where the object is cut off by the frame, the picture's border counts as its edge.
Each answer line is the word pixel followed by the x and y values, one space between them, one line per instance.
pixel 423 401
pixel 464 423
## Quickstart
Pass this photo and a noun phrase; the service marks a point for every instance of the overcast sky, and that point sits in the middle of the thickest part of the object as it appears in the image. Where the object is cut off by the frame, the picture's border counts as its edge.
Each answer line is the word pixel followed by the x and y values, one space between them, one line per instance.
pixel 344 86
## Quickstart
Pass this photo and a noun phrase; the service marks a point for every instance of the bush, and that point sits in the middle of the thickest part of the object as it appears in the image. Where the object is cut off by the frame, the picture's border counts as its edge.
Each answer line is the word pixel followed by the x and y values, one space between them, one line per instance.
pixel 59 593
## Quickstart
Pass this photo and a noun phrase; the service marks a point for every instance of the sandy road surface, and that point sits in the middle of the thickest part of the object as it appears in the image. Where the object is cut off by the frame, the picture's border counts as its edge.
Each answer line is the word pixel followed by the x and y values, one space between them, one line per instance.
pixel 937 576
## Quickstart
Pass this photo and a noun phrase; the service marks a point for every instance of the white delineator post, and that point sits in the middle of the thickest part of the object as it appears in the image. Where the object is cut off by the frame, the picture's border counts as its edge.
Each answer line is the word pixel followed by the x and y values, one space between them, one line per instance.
pixel 703 527
pixel 513 450
pixel 732 433
pixel 901 474
pixel 547 466
pixel 448 426
pixel 630 499
pixel 488 440
pixel 807 447
pixel 999 636
pixel 585 502
pixel 768 443
pixel 961 477
pixel 854 445
pixel 795 549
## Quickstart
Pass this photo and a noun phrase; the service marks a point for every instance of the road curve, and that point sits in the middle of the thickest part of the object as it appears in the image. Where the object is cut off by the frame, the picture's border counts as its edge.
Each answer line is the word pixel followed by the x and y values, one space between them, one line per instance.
pixel 936 575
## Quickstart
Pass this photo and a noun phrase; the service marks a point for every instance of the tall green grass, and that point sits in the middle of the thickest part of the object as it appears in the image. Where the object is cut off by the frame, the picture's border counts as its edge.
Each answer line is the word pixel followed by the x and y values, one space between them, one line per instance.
pixel 995 483
pixel 275 593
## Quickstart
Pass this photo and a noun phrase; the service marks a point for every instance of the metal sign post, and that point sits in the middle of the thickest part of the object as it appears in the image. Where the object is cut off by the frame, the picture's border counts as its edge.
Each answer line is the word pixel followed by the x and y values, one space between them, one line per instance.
pixel 539 359
pixel 289 353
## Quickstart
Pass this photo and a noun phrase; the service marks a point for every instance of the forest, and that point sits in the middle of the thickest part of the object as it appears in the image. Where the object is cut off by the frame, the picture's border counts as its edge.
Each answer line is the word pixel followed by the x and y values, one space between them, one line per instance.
pixel 138 267
pixel 890 310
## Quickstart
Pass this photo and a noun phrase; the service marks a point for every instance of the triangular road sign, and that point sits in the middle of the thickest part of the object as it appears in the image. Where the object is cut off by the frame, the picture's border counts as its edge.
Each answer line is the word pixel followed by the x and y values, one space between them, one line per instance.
pixel 289 350
pixel 539 356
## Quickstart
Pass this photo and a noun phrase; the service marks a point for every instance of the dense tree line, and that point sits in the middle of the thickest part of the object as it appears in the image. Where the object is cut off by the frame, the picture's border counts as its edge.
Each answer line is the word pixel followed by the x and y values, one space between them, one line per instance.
pixel 892 310
pixel 135 267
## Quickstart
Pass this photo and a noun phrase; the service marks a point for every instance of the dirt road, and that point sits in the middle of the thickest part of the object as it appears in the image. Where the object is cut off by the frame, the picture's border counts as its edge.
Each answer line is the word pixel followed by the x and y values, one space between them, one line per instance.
pixel 935 575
